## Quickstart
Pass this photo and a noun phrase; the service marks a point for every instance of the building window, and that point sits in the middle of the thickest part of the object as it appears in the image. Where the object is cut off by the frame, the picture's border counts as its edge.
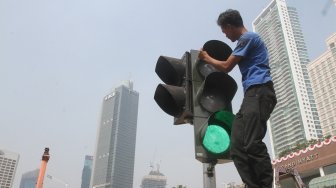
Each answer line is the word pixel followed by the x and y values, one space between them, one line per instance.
pixel 329 169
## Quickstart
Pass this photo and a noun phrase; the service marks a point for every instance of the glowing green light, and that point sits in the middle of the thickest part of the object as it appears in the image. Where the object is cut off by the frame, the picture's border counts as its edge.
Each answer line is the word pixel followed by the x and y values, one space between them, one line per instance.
pixel 216 139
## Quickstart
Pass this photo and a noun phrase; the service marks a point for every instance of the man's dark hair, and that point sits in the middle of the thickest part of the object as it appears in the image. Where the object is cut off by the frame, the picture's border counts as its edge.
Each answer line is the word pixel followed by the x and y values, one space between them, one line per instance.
pixel 231 17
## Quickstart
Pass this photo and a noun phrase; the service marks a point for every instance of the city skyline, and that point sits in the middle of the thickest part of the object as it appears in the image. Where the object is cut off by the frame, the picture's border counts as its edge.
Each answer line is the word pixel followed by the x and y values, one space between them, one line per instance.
pixel 59 58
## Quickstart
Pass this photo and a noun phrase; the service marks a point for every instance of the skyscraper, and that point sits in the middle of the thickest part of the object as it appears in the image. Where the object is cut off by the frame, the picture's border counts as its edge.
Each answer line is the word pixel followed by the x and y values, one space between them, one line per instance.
pixel 295 118
pixel 155 179
pixel 322 72
pixel 8 164
pixel 86 174
pixel 113 163
pixel 29 179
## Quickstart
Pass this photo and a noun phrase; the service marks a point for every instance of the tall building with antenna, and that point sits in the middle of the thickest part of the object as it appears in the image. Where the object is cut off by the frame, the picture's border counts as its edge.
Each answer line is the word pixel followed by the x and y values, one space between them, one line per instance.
pixel 155 179
pixel 295 118
pixel 113 162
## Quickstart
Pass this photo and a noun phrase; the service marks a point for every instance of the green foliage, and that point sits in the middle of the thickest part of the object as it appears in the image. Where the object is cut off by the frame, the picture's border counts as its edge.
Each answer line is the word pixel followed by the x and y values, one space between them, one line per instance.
pixel 285 152
pixel 327 137
pixel 298 146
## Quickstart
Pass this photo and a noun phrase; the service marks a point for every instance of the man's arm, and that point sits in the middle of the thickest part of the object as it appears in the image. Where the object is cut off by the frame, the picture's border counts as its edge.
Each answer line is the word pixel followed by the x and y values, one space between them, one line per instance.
pixel 225 66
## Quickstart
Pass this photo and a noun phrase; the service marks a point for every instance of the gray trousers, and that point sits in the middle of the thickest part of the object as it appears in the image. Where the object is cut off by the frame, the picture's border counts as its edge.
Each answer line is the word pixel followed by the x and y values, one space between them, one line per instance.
pixel 248 151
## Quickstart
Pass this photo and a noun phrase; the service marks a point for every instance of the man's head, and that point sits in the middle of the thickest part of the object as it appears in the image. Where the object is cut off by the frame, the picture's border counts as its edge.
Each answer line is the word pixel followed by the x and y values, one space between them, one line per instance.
pixel 231 24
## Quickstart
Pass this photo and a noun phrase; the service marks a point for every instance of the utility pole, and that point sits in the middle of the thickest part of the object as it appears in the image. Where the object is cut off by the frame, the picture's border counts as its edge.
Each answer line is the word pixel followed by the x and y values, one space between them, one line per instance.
pixel 209 175
pixel 45 159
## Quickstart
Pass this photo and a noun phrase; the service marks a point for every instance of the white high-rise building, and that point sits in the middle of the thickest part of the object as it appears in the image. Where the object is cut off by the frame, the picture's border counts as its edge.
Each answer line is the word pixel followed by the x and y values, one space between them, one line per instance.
pixel 322 72
pixel 113 162
pixel 8 164
pixel 295 118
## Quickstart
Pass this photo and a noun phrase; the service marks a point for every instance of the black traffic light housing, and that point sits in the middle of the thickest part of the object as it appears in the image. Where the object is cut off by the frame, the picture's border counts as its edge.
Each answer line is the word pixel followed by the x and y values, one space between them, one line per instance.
pixel 195 92
pixel 175 97
pixel 213 92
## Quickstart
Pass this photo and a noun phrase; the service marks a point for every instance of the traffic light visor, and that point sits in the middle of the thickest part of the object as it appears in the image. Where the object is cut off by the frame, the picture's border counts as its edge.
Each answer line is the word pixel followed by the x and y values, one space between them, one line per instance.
pixel 223 117
pixel 218 90
pixel 217 50
pixel 170 70
pixel 171 99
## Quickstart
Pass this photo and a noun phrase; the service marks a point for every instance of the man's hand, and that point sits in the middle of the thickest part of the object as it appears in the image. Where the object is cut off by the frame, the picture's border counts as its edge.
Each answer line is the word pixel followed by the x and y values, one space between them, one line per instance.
pixel 225 66
pixel 204 56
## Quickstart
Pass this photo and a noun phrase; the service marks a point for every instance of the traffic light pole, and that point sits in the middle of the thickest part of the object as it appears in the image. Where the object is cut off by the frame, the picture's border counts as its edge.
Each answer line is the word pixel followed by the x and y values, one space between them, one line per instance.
pixel 209 175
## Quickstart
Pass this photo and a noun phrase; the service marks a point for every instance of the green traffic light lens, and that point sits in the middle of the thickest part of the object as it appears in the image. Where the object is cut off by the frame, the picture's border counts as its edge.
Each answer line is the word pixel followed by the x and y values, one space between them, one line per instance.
pixel 216 139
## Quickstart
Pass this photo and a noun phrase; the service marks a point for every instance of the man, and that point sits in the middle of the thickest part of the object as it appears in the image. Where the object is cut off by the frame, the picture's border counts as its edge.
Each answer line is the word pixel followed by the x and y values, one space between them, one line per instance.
pixel 248 151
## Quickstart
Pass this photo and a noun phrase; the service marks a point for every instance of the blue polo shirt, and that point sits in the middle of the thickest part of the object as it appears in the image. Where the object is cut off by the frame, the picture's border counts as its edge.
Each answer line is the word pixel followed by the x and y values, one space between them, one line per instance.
pixel 254 65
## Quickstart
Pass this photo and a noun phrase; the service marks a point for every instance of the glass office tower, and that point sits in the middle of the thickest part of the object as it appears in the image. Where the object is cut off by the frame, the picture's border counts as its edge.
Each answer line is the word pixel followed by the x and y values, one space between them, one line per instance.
pixel 86 173
pixel 113 162
pixel 29 179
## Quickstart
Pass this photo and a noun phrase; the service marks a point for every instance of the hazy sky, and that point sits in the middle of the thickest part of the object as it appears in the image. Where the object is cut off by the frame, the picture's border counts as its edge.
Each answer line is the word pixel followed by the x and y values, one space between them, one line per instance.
pixel 59 58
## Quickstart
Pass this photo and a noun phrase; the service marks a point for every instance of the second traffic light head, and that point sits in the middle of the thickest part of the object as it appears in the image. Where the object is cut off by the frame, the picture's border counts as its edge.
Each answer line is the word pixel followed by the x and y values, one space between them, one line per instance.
pixel 170 70
pixel 174 97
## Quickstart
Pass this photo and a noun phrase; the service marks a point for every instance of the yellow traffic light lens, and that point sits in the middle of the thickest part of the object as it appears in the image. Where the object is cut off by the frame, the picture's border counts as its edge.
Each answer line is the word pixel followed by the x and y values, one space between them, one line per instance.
pixel 216 139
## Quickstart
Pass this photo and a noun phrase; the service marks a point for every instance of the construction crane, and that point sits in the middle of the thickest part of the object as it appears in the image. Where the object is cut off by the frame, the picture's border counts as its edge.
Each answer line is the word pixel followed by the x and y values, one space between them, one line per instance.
pixel 58 180
pixel 327 6
pixel 45 159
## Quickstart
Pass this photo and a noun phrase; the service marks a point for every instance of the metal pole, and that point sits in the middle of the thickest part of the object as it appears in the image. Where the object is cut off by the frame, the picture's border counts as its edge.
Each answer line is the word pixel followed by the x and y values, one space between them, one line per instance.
pixel 209 175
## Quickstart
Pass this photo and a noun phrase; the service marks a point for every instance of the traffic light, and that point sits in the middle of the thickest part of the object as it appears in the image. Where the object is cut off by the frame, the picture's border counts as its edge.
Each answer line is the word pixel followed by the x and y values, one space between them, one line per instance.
pixel 213 92
pixel 175 97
